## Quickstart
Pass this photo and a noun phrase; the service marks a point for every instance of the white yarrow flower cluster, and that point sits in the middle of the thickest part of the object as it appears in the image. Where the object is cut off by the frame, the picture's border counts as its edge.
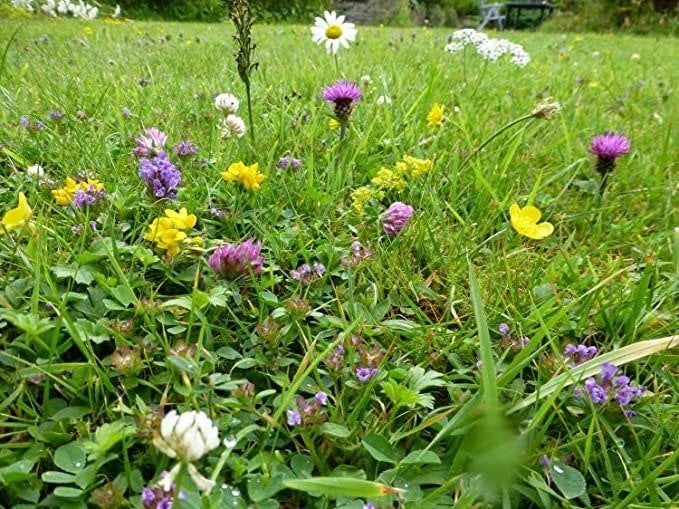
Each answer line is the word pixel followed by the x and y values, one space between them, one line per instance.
pixel 64 7
pixel 187 437
pixel 23 4
pixel 487 48
pixel 232 126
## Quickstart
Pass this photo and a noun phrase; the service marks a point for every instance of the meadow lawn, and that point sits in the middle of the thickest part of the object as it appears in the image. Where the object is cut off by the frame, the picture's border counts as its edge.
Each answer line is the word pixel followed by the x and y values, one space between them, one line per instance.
pixel 433 362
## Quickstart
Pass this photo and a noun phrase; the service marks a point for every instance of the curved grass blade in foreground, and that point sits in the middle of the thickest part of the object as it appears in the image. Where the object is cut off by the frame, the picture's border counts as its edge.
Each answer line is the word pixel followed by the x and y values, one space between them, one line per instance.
pixel 342 487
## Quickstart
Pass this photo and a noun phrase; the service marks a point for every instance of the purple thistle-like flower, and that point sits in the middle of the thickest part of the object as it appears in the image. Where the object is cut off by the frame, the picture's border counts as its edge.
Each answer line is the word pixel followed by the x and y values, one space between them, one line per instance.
pixel 343 95
pixel 232 260
pixel 396 217
pixel 161 176
pixel 364 374
pixel 185 149
pixel 294 418
pixel 608 147
pixel 290 161
pixel 150 143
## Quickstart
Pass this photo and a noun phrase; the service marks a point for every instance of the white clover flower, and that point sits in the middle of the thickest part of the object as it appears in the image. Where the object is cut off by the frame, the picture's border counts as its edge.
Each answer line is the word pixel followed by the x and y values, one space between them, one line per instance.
pixel 383 99
pixel 117 12
pixel 366 80
pixel 187 437
pixel 333 31
pixel 233 126
pixel 35 171
pixel 228 103
pixel 49 8
pixel 63 7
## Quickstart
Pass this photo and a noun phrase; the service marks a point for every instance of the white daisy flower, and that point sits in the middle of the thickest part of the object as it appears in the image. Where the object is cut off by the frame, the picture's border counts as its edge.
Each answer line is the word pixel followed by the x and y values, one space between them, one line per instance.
pixel 233 126
pixel 333 31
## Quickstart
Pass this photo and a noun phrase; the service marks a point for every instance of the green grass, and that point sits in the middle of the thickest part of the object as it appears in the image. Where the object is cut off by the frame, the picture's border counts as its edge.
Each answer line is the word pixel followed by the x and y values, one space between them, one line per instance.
pixel 76 419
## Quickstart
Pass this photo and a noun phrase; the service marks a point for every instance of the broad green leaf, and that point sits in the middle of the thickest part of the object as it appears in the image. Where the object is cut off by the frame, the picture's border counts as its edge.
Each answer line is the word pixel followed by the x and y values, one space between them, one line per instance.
pixel 569 481
pixel 55 477
pixel 70 457
pixel 335 430
pixel 334 487
pixel 421 458
pixel 68 492
pixel 488 373
pixel 379 448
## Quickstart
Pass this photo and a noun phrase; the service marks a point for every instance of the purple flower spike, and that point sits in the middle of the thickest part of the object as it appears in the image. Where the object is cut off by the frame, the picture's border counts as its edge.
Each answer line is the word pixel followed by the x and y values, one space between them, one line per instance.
pixel 396 217
pixel 161 176
pixel 364 374
pixel 343 95
pixel 232 260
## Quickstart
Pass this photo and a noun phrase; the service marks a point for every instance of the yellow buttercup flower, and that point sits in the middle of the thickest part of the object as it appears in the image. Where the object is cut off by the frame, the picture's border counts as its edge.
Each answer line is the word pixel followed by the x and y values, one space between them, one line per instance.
pixel 16 217
pixel 249 176
pixel 525 222
pixel 182 219
pixel 333 123
pixel 166 232
pixel 435 116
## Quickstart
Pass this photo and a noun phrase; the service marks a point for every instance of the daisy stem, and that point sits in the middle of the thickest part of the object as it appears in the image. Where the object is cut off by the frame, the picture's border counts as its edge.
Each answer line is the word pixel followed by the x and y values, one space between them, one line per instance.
pixel 337 64
pixel 493 136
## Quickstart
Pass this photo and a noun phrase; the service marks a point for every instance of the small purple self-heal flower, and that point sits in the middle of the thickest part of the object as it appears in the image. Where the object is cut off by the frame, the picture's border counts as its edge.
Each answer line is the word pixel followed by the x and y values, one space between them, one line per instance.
pixel 232 260
pixel 343 95
pixel 55 115
pixel 25 121
pixel 369 505
pixel 147 497
pixel 596 393
pixel 161 176
pixel 82 197
pixel 294 418
pixel 364 374
pixel 286 161
pixel 216 212
pixel 504 329
pixel 321 397
pixel 580 353
pixel 396 217
pixel 126 112
pixel 150 143
pixel 607 371
pixel 545 461
pixel 621 381
pixel 302 273
pixel 185 149
pixel 319 269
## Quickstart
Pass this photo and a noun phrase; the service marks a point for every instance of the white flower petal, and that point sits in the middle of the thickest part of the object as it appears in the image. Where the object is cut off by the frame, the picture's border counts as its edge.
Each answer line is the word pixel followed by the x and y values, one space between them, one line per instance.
pixel 168 424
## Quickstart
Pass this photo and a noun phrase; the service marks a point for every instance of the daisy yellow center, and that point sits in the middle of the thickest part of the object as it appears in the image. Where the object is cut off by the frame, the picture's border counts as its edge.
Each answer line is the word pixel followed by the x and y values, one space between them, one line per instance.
pixel 333 32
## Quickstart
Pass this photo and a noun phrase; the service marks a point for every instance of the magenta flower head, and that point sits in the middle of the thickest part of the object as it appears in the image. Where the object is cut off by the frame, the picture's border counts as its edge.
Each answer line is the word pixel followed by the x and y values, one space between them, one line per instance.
pixel 150 143
pixel 232 260
pixel 342 95
pixel 396 217
pixel 608 147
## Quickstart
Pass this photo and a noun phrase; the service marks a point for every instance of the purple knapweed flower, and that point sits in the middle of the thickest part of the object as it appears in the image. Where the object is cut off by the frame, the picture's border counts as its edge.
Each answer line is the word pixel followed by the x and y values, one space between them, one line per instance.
pixel 185 149
pixel 290 161
pixel 322 398
pixel 396 217
pixel 343 95
pixel 364 374
pixel 150 143
pixel 294 418
pixel 232 260
pixel 608 147
pixel 579 354
pixel 161 176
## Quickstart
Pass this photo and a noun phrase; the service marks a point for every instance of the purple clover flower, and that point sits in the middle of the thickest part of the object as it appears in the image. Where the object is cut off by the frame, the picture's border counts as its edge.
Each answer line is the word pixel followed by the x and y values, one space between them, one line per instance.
pixel 185 149
pixel 396 217
pixel 365 373
pixel 294 418
pixel 232 260
pixel 290 161
pixel 150 143
pixel 343 95
pixel 161 176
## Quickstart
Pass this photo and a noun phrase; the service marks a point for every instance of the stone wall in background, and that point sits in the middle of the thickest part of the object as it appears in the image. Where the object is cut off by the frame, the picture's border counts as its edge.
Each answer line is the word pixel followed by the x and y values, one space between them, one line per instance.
pixel 368 12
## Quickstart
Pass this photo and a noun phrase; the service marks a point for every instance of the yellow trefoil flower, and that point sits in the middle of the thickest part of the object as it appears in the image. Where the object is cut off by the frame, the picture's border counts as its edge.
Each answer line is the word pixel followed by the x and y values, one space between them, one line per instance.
pixel 166 232
pixel 16 217
pixel 182 219
pixel 249 176
pixel 435 115
pixel 525 222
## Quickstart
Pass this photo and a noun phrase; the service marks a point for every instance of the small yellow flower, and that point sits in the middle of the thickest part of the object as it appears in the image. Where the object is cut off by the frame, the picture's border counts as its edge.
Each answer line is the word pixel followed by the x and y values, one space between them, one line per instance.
pixel 182 219
pixel 249 176
pixel 417 166
pixel 388 179
pixel 16 217
pixel 359 197
pixel 88 30
pixel 525 222
pixel 333 123
pixel 64 196
pixel 435 116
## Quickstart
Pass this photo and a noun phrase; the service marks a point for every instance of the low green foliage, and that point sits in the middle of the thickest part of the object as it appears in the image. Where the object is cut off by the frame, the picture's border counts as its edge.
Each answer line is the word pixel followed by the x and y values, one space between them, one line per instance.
pixel 385 378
